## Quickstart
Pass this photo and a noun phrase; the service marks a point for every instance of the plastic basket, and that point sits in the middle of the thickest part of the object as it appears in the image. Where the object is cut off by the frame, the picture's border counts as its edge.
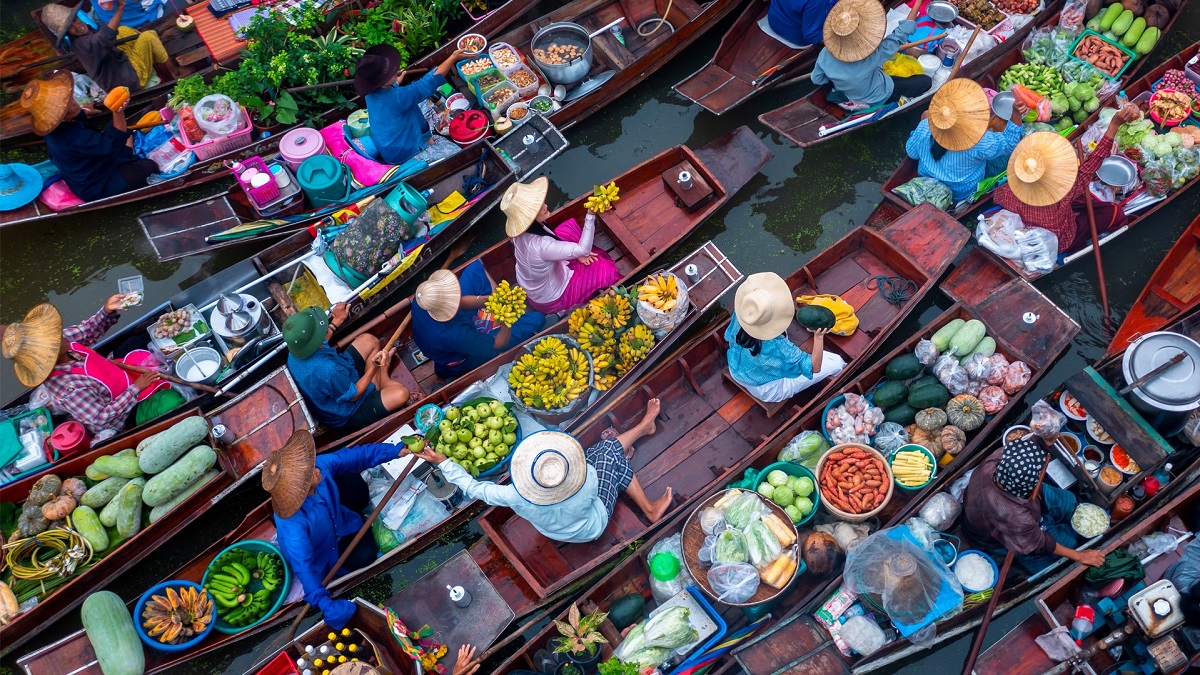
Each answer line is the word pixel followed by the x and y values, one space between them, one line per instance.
pixel 470 79
pixel 573 408
pixel 799 470
pixel 278 595
pixel 434 435
pixel 153 643
pixel 1132 55
pixel 907 447
pixel 529 90
pixel 219 146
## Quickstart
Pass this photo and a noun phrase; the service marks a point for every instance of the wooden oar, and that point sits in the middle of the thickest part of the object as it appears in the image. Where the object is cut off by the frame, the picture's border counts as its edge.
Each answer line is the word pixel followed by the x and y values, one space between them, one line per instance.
pixel 342 83
pixel 963 56
pixel 1152 374
pixel 769 71
pixel 918 43
pixel 166 376
pixel 1091 213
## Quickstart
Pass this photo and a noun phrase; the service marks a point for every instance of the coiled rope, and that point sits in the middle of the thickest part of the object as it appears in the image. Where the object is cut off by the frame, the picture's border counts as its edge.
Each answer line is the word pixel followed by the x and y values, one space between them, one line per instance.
pixel 896 290
pixel 661 21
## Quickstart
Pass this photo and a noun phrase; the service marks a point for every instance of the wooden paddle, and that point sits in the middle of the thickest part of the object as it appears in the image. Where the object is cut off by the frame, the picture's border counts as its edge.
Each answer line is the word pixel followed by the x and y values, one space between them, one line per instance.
pixel 918 43
pixel 166 376
pixel 343 83
pixel 963 56
pixel 1091 213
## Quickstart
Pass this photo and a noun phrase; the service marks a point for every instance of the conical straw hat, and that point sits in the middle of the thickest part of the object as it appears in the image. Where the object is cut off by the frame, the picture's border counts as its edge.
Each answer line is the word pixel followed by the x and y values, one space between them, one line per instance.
pixel 440 295
pixel 46 100
pixel 1042 168
pixel 959 114
pixel 764 305
pixel 287 473
pixel 854 29
pixel 548 467
pixel 33 344
pixel 521 203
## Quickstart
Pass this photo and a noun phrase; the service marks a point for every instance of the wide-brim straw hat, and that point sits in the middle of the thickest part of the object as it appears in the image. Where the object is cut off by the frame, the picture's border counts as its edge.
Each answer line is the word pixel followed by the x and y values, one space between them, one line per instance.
pixel 959 114
pixel 58 18
pixel 521 203
pixel 854 29
pixel 548 467
pixel 33 344
pixel 764 305
pixel 355 668
pixel 287 473
pixel 1042 169
pixel 376 69
pixel 47 101
pixel 440 295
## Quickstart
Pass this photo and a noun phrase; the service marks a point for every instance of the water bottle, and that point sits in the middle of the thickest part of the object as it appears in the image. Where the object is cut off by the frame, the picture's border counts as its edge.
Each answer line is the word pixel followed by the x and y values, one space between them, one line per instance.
pixel 664 576
pixel 1082 624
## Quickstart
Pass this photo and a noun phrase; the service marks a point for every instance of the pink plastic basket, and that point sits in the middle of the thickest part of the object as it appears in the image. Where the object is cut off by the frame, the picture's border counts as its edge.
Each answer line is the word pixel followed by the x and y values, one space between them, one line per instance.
pixel 263 195
pixel 212 148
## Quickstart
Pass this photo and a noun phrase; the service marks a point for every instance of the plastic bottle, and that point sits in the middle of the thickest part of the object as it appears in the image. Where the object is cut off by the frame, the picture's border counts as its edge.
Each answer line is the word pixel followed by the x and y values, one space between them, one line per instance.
pixel 1082 624
pixel 1163 475
pixel 664 576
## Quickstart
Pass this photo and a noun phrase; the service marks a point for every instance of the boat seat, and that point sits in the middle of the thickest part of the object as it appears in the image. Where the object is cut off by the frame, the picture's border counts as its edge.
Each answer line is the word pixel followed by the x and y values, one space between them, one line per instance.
pixel 771 408
pixel 615 52
pixel 193 55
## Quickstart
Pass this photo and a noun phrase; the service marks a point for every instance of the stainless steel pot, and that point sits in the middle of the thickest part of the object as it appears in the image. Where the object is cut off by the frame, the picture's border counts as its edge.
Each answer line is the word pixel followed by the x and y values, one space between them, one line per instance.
pixel 564 33
pixel 237 318
pixel 1165 400
pixel 199 365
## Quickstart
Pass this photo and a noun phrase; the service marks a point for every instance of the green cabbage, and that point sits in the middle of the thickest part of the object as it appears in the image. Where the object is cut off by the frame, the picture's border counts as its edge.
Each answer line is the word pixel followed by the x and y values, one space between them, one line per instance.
pixel 1059 104
pixel 783 496
pixel 761 544
pixel 1092 104
pixel 766 489
pixel 671 628
pixel 730 548
pixel 743 510
pixel 633 649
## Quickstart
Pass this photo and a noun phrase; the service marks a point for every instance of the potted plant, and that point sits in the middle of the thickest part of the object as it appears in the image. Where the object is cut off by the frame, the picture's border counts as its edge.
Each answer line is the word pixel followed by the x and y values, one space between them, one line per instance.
pixel 580 637
pixel 615 667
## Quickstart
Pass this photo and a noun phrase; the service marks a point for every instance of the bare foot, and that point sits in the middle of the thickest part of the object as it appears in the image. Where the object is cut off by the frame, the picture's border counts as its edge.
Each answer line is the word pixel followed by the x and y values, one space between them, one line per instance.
pixel 647 426
pixel 660 506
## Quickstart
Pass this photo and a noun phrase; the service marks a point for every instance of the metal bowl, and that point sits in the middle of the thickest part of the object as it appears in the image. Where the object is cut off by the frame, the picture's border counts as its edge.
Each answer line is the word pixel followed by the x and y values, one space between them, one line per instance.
pixel 1002 104
pixel 566 74
pixel 1117 171
pixel 942 12
pixel 199 365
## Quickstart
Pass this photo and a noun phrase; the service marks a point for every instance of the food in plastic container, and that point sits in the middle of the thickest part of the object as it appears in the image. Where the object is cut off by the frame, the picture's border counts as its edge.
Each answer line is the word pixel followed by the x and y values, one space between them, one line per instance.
pixel 505 58
pixel 975 572
pixel 476 66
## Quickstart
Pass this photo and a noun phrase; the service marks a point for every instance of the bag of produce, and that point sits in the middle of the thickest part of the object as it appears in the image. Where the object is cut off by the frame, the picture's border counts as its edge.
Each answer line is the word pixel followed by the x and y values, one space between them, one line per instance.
pixel 951 374
pixel 915 590
pixel 847 535
pixel 926 352
pixel 734 583
pixel 805 449
pixel 1047 46
pixel 997 233
pixel 712 520
pixel 1072 15
pixel 978 366
pixel 670 628
pixel 707 550
pixel 744 509
pixel 997 366
pixel 1016 376
pixel 924 189
pixel 940 511
pixel 634 649
pixel 730 548
pixel 1039 249
pixel 1046 422
pixel 761 544
pixel 889 436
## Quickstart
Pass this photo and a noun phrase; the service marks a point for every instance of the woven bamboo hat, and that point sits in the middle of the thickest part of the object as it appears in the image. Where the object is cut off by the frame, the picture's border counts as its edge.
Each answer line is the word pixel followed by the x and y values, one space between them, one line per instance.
pixel 58 18
pixel 959 114
pixel 548 467
pixel 440 295
pixel 854 29
pixel 33 344
pixel 46 100
pixel 287 473
pixel 764 305
pixel 521 203
pixel 1042 169
pixel 355 668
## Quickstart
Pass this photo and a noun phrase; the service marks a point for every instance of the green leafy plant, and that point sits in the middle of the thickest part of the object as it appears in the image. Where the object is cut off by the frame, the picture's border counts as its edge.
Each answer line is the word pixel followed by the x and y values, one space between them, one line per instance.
pixel 615 667
pixel 580 634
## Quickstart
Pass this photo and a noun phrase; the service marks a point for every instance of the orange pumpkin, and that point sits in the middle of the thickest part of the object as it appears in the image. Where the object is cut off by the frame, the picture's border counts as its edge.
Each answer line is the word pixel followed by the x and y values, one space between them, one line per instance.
pixel 116 98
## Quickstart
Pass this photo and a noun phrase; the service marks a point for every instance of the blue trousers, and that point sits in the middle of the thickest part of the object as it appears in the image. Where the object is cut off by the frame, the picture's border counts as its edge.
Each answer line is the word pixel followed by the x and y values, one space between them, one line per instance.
pixel 1057 507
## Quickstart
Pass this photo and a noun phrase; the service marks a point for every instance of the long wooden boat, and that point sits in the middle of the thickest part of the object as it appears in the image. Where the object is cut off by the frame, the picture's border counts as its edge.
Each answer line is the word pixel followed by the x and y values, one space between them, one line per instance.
pixel 214 168
pixel 812 119
pixel 1171 291
pixel 908 166
pixel 800 644
pixel 1017 653
pixel 748 62
pixel 255 423
pixel 15 57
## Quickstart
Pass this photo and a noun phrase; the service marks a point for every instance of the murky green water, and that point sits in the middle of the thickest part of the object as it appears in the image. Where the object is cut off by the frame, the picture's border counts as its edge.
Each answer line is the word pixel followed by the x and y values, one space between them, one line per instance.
pixel 800 203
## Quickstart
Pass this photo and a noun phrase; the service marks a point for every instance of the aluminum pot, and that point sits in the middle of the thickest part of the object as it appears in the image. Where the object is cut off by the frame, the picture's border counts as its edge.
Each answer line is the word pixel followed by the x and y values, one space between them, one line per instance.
pixel 199 365
pixel 564 32
pixel 1166 400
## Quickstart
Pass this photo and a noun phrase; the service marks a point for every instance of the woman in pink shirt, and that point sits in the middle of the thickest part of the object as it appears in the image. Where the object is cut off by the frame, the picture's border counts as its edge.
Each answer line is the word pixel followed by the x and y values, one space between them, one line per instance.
pixel 558 272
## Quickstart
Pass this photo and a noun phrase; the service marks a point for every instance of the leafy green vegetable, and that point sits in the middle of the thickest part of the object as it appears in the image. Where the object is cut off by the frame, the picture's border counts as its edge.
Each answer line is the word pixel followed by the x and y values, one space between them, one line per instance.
pixel 671 628
pixel 743 510
pixel 730 548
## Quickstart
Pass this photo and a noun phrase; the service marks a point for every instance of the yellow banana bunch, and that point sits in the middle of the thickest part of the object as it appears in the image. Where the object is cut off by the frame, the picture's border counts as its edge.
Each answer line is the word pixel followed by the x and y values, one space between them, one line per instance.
pixel 551 375
pixel 660 291
pixel 576 319
pixel 603 382
pixel 594 339
pixel 602 198
pixel 635 344
pixel 610 310
pixel 506 303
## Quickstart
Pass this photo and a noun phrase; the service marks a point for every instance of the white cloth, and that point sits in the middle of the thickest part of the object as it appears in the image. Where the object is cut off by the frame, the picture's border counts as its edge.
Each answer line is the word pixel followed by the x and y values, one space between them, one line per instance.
pixel 543 261
pixel 765 26
pixel 783 389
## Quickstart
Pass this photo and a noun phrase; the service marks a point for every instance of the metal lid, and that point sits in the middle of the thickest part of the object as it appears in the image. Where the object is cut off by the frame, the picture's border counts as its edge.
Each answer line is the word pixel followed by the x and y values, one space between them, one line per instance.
pixel 1179 386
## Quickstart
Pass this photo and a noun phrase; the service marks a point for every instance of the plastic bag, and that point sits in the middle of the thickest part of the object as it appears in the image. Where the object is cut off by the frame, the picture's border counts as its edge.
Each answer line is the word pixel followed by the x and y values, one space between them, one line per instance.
pixel 1186 571
pixel 734 583
pixel 993 399
pixel 958 487
pixel 218 115
pixel 670 628
pixel 805 449
pixel 954 378
pixel 1046 422
pixel 863 635
pixel 926 352
pixel 889 436
pixel 854 421
pixel 707 550
pixel 1048 46
pixel 1016 376
pixel 730 548
pixel 1191 427
pixel 998 366
pixel 924 189
pixel 1039 249
pixel 1072 15
pixel 384 538
pixel 744 509
pixel 665 590
pixel 923 532
pixel 712 520
pixel 761 544
pixel 978 367
pixel 997 233
pixel 902 65
pixel 847 535
pixel 940 511
pixel 634 649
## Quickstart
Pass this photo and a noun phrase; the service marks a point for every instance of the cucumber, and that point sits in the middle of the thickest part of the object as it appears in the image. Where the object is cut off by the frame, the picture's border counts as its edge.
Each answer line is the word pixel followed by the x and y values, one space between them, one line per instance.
pixel 163 449
pixel 108 516
pixel 1134 33
pixel 941 339
pixel 103 492
pixel 986 346
pixel 85 520
pixel 129 508
pixel 125 466
pixel 1110 15
pixel 162 509
pixel 167 485
pixel 109 628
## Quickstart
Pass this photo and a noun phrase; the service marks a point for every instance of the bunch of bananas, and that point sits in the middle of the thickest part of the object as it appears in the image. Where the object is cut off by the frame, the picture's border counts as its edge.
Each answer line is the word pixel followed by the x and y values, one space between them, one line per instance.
pixel 610 310
pixel 602 198
pixel 635 344
pixel 660 291
pixel 237 604
pixel 607 329
pixel 506 303
pixel 178 615
pixel 550 376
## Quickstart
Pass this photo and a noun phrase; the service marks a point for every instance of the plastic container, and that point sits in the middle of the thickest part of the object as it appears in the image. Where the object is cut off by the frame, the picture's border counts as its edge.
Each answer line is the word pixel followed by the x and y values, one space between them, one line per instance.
pixel 542 101
pixel 218 115
pixel 263 188
pixel 299 144
pixel 995 570
pixel 714 616
pixel 161 589
pixel 209 148
pixel 359 124
pixel 932 472
pixel 470 78
pixel 1158 119
pixel 929 63
pixel 278 595
pixel 799 470
pixel 132 286
pixel 324 180
pixel 518 113
pixel 528 90
pixel 501 103
pixel 499 47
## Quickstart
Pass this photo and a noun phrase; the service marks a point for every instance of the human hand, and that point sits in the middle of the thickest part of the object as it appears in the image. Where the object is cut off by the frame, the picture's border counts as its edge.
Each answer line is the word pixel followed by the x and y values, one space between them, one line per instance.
pixel 339 313
pixel 587 259
pixel 1128 113
pixel 1020 110
pixel 430 455
pixel 383 357
pixel 114 303
pixel 820 333
pixel 146 380
pixel 466 663
pixel 925 114
pixel 1091 558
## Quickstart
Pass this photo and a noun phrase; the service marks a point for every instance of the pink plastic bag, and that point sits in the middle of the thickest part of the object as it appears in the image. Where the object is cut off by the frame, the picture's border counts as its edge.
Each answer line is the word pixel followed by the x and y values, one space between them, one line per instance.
pixel 58 196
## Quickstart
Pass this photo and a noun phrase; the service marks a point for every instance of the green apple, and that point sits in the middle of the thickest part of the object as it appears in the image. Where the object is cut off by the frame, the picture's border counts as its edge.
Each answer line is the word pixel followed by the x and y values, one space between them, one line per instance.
pixel 470 414
pixel 502 450
pixel 510 439
pixel 461 450
pixel 445 428
pixel 494 422
pixel 452 413
pixel 481 431
pixel 475 443
pixel 478 452
pixel 464 435
pixel 495 437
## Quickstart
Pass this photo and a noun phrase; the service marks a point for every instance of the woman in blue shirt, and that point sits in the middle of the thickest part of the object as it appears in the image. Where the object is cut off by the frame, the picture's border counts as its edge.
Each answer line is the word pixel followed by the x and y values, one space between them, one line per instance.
pixel 953 144
pixel 398 127
pixel 761 357
pixel 855 51
pixel 797 23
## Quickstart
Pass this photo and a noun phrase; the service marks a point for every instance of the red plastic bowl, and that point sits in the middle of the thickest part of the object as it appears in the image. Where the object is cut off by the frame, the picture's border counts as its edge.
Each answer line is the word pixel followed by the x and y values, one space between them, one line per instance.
pixel 1165 122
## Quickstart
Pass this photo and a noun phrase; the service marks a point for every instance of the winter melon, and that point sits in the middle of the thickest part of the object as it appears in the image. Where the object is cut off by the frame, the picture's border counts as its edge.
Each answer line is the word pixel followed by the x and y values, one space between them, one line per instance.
pixel 167 485
pixel 168 446
pixel 1131 37
pixel 968 337
pixel 109 628
pixel 941 339
pixel 1122 24
pixel 986 346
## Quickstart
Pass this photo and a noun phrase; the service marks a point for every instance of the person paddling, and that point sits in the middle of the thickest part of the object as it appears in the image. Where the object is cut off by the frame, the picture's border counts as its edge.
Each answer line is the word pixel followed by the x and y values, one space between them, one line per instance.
pixel 855 51
pixel 106 59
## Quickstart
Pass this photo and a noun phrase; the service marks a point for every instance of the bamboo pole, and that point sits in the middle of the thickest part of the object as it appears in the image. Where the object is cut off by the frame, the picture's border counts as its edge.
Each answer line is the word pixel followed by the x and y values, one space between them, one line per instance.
pixel 1091 213
pixel 166 376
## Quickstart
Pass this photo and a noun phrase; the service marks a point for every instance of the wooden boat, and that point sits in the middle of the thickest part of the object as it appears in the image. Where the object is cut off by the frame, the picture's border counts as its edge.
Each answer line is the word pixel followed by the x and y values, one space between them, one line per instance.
pixel 799 644
pixel 15 73
pixel 255 423
pixel 1018 654
pixel 204 171
pixel 908 166
pixel 1171 291
pixel 747 63
pixel 812 119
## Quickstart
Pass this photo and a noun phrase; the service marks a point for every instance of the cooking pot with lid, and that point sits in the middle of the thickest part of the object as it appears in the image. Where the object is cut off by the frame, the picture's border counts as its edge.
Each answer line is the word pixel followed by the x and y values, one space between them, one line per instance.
pixel 1166 399
pixel 237 317
pixel 564 33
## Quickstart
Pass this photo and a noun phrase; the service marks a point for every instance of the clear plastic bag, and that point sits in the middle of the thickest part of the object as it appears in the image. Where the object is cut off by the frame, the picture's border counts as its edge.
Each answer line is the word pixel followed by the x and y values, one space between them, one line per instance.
pixel 805 449
pixel 958 487
pixel 924 189
pixel 730 548
pixel 862 635
pixel 705 554
pixel 927 353
pixel 218 115
pixel 734 583
pixel 944 363
pixel 998 366
pixel 744 509
pixel 993 399
pixel 955 379
pixel 847 535
pixel 998 233
pixel 1048 46
pixel 940 511
pixel 915 591
pixel 712 520
pixel 761 544
pixel 1072 15
pixel 1016 376
pixel 1039 249
pixel 889 436
pixel 665 590
pixel 1045 421
pixel 978 367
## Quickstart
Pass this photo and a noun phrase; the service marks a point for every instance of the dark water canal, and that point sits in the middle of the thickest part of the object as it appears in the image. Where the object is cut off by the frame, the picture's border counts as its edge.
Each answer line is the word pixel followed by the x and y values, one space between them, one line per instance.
pixel 800 203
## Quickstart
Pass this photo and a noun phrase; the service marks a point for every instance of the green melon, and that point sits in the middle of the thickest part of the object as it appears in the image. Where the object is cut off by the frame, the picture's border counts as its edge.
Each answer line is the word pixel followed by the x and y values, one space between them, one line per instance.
pixel 815 317
pixel 904 367
pixel 929 396
pixel 890 393
pixel 901 413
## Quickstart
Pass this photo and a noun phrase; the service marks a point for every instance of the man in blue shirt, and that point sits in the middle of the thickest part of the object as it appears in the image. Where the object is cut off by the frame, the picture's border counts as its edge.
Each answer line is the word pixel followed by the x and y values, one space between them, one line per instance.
pixel 797 23
pixel 398 127
pixel 444 325
pixel 318 504
pixel 347 390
